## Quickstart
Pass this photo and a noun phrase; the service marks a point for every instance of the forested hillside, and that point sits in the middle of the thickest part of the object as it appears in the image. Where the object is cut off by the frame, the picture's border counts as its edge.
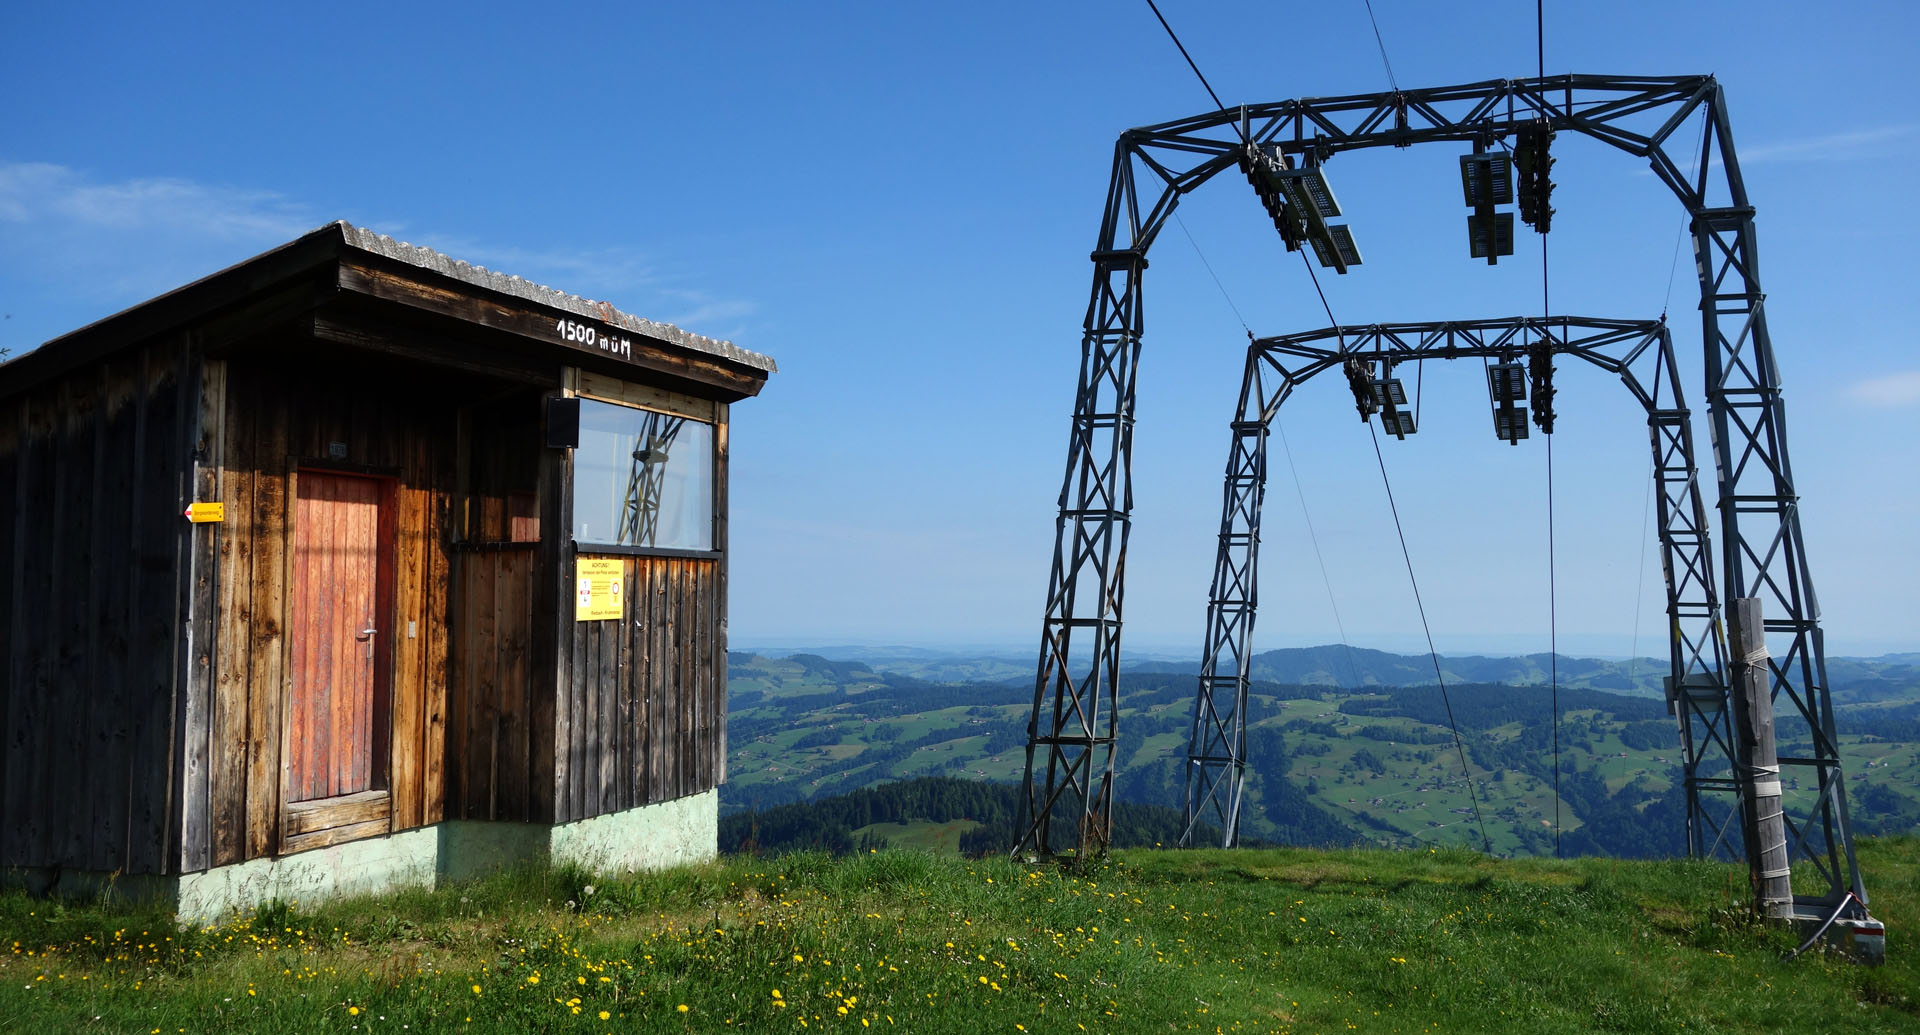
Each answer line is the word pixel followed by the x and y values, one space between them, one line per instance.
pixel 1328 765
pixel 984 812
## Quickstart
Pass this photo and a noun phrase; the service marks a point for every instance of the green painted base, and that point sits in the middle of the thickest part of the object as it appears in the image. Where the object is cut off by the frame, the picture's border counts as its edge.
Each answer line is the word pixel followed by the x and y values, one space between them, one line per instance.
pixel 670 833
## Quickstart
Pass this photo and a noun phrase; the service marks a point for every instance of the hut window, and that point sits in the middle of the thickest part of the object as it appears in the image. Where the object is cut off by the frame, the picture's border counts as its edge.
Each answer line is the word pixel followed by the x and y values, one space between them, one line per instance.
pixel 642 478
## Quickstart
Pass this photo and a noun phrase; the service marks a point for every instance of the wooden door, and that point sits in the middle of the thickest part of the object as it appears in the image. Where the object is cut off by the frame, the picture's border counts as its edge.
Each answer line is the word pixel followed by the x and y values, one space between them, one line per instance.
pixel 336 740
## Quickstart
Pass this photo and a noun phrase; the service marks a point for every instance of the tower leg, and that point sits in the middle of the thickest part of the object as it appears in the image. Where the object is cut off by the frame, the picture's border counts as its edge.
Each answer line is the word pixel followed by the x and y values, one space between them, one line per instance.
pixel 1696 684
pixel 1068 800
pixel 1217 744
pixel 1763 553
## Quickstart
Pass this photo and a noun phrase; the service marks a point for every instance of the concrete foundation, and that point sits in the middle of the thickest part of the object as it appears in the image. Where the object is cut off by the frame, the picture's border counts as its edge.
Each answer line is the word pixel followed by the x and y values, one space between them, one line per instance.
pixel 1864 939
pixel 671 833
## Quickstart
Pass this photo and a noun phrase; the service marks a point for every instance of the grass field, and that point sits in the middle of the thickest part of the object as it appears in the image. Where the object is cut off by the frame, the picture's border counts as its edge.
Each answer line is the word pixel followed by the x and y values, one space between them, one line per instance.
pixel 1282 940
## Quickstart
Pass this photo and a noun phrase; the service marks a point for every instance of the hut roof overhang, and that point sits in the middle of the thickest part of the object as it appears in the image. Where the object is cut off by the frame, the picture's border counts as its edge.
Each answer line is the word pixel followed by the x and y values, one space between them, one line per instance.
pixel 359 290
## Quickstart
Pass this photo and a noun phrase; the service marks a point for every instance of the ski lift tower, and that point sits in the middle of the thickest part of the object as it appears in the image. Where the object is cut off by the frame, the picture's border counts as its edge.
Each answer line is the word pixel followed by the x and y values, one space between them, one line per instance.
pixel 1283 148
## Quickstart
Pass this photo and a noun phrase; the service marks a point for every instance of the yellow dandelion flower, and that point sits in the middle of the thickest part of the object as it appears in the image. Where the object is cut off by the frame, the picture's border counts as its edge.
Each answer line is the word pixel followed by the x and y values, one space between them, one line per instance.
pixel 353 1011
pixel 604 1015
pixel 533 979
pixel 682 1008
pixel 476 990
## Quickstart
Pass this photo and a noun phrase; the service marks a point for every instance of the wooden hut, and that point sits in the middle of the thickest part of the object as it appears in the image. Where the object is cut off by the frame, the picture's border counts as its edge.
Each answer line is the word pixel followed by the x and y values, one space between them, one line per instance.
pixel 353 564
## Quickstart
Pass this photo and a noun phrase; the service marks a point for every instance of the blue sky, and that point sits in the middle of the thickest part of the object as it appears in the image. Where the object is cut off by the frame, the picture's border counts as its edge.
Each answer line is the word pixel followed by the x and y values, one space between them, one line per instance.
pixel 896 201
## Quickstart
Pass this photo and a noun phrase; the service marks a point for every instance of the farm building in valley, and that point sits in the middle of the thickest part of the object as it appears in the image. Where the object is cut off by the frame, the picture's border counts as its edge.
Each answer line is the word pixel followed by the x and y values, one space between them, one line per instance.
pixel 353 565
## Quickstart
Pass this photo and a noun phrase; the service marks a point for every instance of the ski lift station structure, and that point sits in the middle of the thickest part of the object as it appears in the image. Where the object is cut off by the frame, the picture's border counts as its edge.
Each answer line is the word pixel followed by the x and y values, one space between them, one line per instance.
pixel 353 565
pixel 1761 558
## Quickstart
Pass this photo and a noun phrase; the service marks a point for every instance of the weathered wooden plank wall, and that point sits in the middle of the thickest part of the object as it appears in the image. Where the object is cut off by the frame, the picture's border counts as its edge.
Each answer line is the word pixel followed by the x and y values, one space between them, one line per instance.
pixel 644 701
pixel 490 683
pixel 420 586
pixel 193 731
pixel 278 420
pixel 92 479
pixel 499 568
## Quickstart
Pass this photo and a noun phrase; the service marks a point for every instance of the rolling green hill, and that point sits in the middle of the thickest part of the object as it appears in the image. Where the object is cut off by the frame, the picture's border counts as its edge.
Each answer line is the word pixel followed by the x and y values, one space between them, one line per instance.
pixel 1373 764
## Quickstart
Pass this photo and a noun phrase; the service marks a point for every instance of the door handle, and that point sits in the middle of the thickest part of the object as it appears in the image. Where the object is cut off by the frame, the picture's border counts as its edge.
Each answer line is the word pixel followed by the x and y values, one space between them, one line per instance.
pixel 366 636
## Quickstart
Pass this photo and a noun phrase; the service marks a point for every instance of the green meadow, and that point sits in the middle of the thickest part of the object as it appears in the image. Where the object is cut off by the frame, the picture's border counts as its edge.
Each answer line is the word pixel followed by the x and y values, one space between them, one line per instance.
pixel 1276 940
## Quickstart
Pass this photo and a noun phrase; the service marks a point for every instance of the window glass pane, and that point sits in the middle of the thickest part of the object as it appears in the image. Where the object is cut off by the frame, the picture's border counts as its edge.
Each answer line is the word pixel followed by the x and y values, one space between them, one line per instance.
pixel 642 478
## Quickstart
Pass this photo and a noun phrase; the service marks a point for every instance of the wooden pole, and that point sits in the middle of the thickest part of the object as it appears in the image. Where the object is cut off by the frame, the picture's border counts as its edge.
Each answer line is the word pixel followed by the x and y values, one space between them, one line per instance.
pixel 1759 762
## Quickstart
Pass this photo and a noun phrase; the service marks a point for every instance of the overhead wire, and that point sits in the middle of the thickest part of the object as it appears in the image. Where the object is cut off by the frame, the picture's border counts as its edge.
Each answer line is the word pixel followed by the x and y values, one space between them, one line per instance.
pixel 1680 234
pixel 1353 670
pixel 1472 794
pixel 1440 678
pixel 1553 629
pixel 1646 516
pixel 1211 273
pixel 1419 387
pixel 1433 654
pixel 1346 645
pixel 1466 771
pixel 1553 571
pixel 1183 53
pixel 1640 587
pixel 1395 83
pixel 1306 513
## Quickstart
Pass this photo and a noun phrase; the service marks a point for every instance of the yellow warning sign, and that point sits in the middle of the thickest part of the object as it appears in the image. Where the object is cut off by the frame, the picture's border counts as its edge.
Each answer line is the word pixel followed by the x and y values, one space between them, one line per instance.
pixel 597 589
pixel 201 513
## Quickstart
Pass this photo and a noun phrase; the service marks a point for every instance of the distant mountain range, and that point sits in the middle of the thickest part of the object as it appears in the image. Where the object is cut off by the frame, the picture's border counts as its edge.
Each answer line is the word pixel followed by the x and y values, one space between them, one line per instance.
pixel 1888 677
pixel 1357 667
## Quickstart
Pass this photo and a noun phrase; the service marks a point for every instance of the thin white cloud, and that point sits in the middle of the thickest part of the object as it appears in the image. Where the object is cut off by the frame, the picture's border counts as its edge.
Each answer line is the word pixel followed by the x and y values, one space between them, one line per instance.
pixel 82 246
pixel 41 192
pixel 1898 389
pixel 612 274
pixel 75 247
pixel 22 183
pixel 627 279
pixel 705 312
pixel 1857 143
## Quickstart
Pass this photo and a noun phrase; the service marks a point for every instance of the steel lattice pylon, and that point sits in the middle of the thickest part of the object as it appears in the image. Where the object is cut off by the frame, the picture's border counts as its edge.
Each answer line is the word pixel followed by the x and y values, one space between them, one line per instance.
pixel 1071 735
pixel 1640 354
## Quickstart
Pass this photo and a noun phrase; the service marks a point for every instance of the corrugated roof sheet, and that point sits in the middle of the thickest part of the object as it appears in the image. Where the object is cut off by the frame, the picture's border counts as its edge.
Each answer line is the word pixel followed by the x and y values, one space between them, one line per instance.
pixel 519 287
